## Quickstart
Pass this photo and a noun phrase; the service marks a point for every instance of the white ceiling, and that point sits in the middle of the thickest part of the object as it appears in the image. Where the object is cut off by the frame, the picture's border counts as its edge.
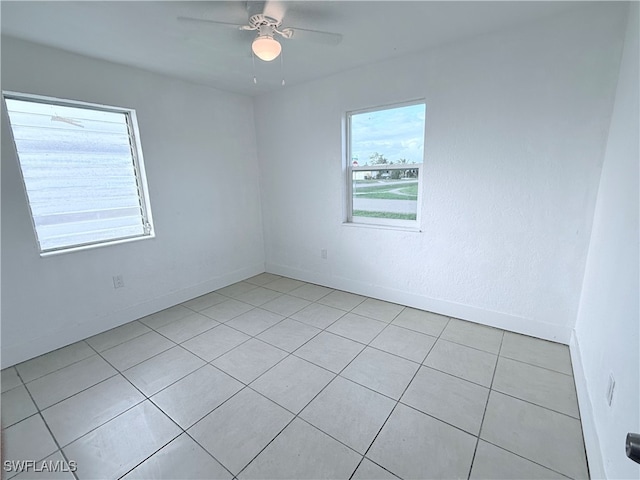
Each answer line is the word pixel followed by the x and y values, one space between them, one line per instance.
pixel 148 34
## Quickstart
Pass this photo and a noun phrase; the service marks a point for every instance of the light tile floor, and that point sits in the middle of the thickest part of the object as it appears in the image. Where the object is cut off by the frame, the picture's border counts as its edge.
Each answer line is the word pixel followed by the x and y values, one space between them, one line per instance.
pixel 276 378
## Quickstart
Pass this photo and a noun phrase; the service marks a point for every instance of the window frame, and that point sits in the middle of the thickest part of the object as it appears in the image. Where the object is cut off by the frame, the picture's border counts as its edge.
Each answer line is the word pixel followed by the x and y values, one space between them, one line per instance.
pixel 136 158
pixel 348 217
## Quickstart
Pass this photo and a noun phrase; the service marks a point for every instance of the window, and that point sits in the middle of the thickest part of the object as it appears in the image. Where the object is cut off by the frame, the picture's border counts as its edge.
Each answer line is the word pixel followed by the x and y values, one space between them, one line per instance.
pixel 384 162
pixel 82 170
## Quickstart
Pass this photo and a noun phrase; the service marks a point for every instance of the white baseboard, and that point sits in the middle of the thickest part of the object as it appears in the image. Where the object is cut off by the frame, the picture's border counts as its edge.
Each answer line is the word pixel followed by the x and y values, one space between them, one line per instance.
pixel 589 431
pixel 505 321
pixel 75 330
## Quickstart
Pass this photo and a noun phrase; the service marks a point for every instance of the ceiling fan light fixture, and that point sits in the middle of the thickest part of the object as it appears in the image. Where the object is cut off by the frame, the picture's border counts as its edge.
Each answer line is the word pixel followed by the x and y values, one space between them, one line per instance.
pixel 266 48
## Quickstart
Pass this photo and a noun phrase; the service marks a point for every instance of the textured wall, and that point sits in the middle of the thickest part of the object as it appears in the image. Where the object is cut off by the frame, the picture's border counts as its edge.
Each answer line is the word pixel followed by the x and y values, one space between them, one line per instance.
pixel 200 157
pixel 516 128
pixel 608 325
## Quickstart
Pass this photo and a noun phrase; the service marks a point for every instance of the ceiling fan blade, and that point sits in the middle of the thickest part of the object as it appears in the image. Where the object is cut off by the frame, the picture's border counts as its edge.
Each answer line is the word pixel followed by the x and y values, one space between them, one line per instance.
pixel 315 36
pixel 275 9
pixel 213 22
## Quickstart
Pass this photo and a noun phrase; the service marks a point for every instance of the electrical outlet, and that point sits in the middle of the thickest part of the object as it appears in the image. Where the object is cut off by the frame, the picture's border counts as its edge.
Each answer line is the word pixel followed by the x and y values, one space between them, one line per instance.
pixel 610 389
pixel 323 253
pixel 118 281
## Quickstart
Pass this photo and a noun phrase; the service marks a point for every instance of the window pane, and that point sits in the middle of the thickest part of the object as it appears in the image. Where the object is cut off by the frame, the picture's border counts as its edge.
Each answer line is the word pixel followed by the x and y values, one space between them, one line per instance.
pixel 79 171
pixel 394 137
pixel 385 194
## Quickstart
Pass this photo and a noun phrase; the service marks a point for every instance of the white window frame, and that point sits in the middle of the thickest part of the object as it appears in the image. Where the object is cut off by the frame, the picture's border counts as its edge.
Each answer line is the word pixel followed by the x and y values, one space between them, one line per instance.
pixel 349 168
pixel 136 157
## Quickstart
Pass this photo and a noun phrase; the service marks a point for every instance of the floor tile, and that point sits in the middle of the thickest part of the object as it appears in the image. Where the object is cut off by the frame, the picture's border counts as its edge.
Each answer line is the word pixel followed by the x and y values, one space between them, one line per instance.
pixel 537 385
pixel 249 422
pixel 286 305
pixel 349 412
pixel 448 398
pixel 404 343
pixel 196 395
pixel 543 436
pixel 187 327
pixel 236 289
pixel 473 335
pixel 368 470
pixel 293 383
pixel 415 445
pixel 258 296
pixel 181 459
pixel 358 328
pixel 215 342
pixel 382 372
pixel 284 285
pixel 227 310
pixel 319 316
pixel 378 310
pixel 160 371
pixel 116 447
pixel 342 300
pixel 98 405
pixel 407 387
pixel 50 362
pixel 137 350
pixel 158 319
pixel 68 381
pixel 330 351
pixel 421 321
pixel 289 334
pixel 117 335
pixel 204 301
pixel 464 362
pixel 27 440
pixel 311 292
pixel 250 360
pixel 9 379
pixel 541 353
pixel 496 463
pixel 44 469
pixel 262 278
pixel 254 321
pixel 16 405
pixel 303 452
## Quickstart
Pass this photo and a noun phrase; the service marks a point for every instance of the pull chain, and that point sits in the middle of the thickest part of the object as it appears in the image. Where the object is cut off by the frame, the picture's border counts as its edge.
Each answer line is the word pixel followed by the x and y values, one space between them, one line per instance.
pixel 282 67
pixel 253 61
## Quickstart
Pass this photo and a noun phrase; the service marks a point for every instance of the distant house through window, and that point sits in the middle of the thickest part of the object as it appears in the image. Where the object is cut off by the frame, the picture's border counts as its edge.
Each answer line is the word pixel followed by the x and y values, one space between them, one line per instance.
pixel 385 156
pixel 82 170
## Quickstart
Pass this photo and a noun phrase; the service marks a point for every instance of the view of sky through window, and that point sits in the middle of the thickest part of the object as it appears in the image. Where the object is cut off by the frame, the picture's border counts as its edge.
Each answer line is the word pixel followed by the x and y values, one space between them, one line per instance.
pixel 395 133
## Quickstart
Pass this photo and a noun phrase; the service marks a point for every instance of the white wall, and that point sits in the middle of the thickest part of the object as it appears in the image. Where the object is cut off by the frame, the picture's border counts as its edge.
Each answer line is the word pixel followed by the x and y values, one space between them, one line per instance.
pixel 607 336
pixel 200 156
pixel 516 128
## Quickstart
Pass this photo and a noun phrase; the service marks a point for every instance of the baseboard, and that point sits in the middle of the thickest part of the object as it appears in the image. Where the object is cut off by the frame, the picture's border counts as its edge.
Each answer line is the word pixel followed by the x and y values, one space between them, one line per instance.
pixel 505 321
pixel 589 431
pixel 73 331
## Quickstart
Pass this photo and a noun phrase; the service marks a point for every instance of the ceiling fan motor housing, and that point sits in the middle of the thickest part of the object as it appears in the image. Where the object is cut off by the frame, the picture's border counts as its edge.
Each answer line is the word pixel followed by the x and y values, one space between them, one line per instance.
pixel 260 20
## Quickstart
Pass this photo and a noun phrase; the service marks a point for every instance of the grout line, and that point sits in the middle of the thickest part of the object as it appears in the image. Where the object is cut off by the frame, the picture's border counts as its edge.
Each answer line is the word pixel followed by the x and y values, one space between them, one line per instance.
pixel 486 405
pixel 55 440
pixel 57 369
pixel 288 354
pixel 525 458
pixel 536 405
pixel 538 366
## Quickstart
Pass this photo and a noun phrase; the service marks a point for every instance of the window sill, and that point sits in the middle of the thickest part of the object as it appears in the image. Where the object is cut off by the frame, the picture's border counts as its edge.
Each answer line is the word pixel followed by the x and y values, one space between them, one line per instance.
pixel 81 248
pixel 401 228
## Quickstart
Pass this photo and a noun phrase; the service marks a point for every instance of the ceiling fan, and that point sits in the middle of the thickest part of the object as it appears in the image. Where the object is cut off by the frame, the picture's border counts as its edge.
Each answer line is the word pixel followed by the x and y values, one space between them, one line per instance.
pixel 266 19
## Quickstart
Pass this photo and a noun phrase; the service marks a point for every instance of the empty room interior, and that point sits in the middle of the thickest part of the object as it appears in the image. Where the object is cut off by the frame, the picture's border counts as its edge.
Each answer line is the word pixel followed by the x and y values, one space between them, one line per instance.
pixel 304 240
